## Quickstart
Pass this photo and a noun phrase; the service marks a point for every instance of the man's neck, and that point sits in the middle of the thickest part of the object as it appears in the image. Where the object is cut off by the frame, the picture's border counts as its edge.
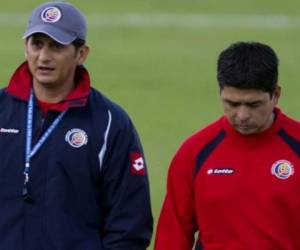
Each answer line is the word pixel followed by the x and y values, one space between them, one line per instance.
pixel 51 94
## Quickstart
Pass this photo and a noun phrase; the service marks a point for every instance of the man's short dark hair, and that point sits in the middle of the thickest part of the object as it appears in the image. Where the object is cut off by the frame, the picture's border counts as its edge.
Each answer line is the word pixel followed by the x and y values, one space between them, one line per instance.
pixel 78 43
pixel 248 65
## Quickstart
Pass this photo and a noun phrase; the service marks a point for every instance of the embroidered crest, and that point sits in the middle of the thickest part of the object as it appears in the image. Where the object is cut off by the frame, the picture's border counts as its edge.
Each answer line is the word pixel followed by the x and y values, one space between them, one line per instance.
pixel 282 169
pixel 76 137
pixel 51 15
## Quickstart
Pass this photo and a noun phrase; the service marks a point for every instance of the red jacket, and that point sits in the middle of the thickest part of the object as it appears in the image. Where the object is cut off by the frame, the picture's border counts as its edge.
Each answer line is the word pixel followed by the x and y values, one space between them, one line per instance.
pixel 238 191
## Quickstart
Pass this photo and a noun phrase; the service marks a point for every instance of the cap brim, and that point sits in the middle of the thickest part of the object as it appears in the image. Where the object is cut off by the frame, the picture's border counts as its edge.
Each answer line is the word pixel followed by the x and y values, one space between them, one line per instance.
pixel 56 34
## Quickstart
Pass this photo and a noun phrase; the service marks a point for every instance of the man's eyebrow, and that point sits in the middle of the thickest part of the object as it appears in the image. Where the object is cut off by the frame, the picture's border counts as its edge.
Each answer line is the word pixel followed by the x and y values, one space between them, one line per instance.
pixel 230 101
pixel 242 102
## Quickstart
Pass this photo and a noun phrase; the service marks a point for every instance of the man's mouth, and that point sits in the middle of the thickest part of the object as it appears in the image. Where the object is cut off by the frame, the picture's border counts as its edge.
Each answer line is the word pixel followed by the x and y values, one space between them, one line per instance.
pixel 243 126
pixel 45 69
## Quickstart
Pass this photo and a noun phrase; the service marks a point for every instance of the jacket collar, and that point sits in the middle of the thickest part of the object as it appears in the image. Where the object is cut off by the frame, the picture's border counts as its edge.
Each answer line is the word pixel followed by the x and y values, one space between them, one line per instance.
pixel 21 81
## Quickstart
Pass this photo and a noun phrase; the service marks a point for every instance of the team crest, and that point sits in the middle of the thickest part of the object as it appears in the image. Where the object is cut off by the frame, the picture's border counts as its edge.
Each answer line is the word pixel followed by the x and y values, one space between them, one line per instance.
pixel 51 15
pixel 76 137
pixel 282 169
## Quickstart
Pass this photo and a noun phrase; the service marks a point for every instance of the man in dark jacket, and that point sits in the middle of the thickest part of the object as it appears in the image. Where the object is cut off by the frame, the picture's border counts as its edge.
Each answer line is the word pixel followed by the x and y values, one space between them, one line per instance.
pixel 73 173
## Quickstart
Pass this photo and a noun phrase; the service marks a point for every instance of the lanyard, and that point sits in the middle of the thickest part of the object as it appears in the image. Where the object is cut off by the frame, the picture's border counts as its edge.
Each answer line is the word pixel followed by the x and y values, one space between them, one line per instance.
pixel 30 152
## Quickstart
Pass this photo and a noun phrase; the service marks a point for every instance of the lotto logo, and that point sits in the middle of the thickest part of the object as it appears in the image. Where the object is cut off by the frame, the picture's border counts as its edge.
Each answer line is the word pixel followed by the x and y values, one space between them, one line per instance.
pixel 137 164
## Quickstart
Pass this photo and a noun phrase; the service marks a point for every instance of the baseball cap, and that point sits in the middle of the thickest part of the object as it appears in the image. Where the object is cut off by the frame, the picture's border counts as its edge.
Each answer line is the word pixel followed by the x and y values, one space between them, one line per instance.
pixel 60 20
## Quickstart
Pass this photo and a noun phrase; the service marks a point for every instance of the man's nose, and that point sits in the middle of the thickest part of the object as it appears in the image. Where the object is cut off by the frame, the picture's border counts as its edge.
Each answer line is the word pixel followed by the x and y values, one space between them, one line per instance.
pixel 45 54
pixel 243 113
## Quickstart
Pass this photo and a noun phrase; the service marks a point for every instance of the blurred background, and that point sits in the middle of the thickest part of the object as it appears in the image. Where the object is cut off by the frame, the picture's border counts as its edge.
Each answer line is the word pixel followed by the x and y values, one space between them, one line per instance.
pixel 157 59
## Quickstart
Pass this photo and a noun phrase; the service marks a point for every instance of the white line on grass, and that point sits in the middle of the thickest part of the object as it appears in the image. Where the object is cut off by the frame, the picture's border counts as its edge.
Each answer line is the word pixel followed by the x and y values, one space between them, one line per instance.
pixel 167 20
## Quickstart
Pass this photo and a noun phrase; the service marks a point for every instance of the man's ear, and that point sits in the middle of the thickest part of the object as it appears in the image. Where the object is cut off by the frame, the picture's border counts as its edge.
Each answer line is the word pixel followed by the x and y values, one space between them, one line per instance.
pixel 25 48
pixel 82 54
pixel 277 94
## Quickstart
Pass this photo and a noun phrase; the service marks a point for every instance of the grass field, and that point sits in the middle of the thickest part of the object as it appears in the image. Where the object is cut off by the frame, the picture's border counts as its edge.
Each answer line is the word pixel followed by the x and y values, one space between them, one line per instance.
pixel 157 58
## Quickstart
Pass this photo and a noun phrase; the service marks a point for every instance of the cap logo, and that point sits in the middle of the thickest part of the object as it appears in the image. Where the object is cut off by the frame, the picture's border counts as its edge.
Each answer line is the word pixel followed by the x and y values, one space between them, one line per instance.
pixel 76 137
pixel 282 169
pixel 51 15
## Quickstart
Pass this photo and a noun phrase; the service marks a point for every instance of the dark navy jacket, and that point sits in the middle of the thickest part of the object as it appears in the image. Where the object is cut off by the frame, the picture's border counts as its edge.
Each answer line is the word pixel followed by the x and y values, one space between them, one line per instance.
pixel 88 182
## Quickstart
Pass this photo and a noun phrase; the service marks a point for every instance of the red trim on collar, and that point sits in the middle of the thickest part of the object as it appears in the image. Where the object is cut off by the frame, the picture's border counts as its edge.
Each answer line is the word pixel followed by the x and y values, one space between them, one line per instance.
pixel 20 84
pixel 45 106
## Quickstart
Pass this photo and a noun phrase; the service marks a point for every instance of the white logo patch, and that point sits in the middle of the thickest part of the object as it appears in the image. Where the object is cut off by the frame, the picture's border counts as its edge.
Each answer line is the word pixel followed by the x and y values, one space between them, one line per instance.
pixel 76 137
pixel 51 15
pixel 9 130
pixel 138 164
pixel 220 171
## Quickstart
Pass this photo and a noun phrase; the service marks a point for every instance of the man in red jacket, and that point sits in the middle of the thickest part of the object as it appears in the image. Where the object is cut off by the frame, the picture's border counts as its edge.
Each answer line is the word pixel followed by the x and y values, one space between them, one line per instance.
pixel 236 183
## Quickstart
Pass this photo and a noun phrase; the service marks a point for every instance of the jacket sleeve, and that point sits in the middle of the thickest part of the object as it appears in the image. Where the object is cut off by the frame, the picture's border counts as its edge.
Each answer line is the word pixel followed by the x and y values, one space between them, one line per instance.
pixel 127 220
pixel 177 222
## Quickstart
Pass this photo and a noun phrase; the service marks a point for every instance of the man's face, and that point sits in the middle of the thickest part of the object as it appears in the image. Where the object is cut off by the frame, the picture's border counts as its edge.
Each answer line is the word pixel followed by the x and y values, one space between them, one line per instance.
pixel 249 111
pixel 51 63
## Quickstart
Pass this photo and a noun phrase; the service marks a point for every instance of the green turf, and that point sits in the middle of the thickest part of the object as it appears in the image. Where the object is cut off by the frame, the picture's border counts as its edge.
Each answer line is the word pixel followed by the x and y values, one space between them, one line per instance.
pixel 166 77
